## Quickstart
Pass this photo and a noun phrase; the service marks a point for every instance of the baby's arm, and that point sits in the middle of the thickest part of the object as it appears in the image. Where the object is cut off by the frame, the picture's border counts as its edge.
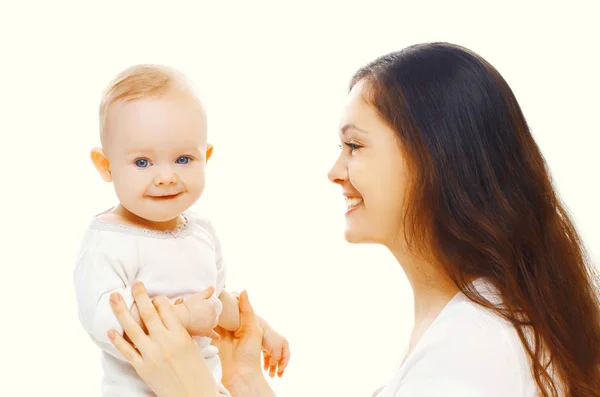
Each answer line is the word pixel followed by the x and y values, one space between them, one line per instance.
pixel 201 323
pixel 98 274
pixel 198 313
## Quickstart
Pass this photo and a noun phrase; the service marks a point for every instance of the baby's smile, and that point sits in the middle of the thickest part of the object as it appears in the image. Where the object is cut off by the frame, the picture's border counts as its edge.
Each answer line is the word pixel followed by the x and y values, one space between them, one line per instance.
pixel 165 197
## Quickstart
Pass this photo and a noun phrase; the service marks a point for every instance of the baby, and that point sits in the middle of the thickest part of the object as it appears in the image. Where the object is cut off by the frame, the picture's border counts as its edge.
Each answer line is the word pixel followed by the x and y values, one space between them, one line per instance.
pixel 153 133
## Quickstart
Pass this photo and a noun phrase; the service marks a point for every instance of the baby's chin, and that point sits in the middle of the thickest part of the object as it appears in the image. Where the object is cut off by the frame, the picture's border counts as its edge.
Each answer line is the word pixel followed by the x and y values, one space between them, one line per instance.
pixel 167 217
pixel 166 223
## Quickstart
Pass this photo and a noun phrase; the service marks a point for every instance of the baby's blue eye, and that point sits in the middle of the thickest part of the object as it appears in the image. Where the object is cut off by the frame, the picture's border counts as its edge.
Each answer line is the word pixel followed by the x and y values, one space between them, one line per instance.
pixel 142 163
pixel 183 160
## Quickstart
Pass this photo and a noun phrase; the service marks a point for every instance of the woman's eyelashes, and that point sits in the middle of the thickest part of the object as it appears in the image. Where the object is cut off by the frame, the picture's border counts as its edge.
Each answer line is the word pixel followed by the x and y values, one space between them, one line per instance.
pixel 351 146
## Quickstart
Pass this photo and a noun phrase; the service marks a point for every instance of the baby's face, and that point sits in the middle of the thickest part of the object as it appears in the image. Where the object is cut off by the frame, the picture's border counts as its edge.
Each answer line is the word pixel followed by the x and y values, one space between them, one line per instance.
pixel 157 153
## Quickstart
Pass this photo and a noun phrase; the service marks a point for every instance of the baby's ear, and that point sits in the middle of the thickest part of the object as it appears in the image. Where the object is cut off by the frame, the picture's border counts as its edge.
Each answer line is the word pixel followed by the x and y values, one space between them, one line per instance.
pixel 209 150
pixel 101 163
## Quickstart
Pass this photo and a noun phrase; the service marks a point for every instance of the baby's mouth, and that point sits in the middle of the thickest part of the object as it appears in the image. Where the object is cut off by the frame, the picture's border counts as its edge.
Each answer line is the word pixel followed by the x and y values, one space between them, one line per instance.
pixel 165 197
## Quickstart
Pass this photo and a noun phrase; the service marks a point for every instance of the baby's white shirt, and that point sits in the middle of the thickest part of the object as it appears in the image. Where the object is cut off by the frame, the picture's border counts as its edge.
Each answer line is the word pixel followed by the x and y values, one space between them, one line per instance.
pixel 173 264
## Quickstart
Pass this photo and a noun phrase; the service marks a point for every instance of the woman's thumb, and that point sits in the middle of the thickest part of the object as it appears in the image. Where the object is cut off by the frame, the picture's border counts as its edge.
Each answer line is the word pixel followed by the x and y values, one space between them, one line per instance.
pixel 246 311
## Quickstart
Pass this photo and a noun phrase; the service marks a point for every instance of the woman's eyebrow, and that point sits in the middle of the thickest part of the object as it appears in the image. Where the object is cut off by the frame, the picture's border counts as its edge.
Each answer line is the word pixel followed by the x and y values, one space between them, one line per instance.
pixel 346 127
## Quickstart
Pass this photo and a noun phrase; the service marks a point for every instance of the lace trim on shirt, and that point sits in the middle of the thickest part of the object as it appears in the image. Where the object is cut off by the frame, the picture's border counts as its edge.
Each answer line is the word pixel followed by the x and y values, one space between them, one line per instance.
pixel 182 231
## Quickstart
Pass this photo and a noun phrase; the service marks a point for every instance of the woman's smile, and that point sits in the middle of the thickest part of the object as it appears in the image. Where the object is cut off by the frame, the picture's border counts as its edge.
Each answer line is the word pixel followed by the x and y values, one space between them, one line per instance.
pixel 353 203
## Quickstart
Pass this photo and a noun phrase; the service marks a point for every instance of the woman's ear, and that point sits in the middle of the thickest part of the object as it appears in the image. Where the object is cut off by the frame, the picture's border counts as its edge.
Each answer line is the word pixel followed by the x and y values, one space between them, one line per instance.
pixel 209 150
pixel 101 163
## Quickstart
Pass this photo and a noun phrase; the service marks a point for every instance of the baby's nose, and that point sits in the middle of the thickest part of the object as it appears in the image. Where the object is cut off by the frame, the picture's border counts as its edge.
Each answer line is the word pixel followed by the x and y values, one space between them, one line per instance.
pixel 165 178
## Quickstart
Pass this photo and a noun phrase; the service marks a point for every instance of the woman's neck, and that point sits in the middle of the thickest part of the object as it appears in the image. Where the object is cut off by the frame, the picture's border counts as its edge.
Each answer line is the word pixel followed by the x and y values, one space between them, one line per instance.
pixel 432 288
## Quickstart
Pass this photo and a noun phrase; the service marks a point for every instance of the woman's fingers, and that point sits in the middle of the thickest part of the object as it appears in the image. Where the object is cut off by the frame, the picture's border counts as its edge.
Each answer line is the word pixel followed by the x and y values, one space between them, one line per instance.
pixel 267 360
pixel 248 323
pixel 166 313
pixel 130 326
pixel 147 311
pixel 125 348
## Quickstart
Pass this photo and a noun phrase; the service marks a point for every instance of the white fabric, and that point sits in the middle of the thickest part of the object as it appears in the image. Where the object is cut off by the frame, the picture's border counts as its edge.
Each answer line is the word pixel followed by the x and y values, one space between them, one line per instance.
pixel 466 352
pixel 174 265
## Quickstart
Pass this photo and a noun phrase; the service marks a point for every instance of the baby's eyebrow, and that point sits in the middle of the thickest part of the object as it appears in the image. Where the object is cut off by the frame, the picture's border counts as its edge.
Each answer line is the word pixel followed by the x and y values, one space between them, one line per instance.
pixel 192 149
pixel 138 151
pixel 177 151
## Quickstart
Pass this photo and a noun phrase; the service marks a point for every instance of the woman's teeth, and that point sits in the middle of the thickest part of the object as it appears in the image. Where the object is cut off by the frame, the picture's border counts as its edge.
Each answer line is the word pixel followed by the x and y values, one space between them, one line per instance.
pixel 352 202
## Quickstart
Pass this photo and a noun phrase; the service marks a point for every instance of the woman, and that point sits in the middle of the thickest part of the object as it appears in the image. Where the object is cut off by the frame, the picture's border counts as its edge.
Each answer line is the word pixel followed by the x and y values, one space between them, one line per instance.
pixel 438 165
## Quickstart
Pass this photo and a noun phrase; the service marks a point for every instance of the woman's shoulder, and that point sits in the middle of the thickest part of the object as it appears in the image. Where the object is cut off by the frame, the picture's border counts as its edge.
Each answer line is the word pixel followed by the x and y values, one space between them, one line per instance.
pixel 471 345
pixel 466 321
pixel 480 333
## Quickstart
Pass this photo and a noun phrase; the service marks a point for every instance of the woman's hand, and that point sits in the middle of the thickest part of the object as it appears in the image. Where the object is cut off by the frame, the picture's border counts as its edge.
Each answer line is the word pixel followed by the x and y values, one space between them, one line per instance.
pixel 167 358
pixel 240 351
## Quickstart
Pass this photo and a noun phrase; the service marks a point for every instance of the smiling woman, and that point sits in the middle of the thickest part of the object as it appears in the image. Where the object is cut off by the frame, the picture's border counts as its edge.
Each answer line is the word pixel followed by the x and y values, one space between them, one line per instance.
pixel 454 185
pixel 371 171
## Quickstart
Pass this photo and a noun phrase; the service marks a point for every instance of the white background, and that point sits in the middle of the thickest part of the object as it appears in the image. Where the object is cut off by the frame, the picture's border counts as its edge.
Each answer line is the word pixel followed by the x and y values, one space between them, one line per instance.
pixel 274 77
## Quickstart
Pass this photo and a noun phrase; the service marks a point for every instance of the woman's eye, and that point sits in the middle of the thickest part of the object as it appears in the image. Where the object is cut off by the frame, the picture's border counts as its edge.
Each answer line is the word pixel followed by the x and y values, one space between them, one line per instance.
pixel 183 160
pixel 142 163
pixel 352 146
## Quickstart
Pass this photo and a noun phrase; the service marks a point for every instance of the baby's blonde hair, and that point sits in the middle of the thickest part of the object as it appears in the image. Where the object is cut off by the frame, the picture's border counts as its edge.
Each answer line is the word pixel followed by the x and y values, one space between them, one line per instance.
pixel 142 81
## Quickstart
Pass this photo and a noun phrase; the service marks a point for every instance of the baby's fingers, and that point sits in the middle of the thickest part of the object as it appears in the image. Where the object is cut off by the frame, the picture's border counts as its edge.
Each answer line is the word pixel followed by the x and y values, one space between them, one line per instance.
pixel 214 335
pixel 285 359
pixel 267 359
pixel 275 357
pixel 207 293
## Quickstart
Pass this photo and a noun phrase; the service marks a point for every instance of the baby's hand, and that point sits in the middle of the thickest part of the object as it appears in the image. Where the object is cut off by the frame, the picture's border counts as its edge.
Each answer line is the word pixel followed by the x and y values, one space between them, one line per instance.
pixel 276 352
pixel 198 314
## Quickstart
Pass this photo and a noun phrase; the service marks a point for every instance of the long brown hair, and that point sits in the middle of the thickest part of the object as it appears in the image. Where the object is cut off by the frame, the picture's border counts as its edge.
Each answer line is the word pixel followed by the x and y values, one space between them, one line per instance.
pixel 481 204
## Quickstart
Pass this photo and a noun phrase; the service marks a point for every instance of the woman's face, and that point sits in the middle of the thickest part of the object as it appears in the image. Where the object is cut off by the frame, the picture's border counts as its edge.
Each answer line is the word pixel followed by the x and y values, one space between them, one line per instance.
pixel 372 173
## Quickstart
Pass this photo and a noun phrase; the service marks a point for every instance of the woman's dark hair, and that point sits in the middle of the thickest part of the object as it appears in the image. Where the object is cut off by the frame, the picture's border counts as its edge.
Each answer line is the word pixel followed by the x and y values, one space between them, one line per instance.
pixel 481 204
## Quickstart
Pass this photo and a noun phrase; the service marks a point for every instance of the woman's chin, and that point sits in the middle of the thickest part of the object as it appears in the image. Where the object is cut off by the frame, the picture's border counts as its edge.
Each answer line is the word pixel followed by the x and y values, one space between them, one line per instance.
pixel 354 236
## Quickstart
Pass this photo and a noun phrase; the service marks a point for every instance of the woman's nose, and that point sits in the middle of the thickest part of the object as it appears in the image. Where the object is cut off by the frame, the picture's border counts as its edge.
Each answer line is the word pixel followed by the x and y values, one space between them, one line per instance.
pixel 339 172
